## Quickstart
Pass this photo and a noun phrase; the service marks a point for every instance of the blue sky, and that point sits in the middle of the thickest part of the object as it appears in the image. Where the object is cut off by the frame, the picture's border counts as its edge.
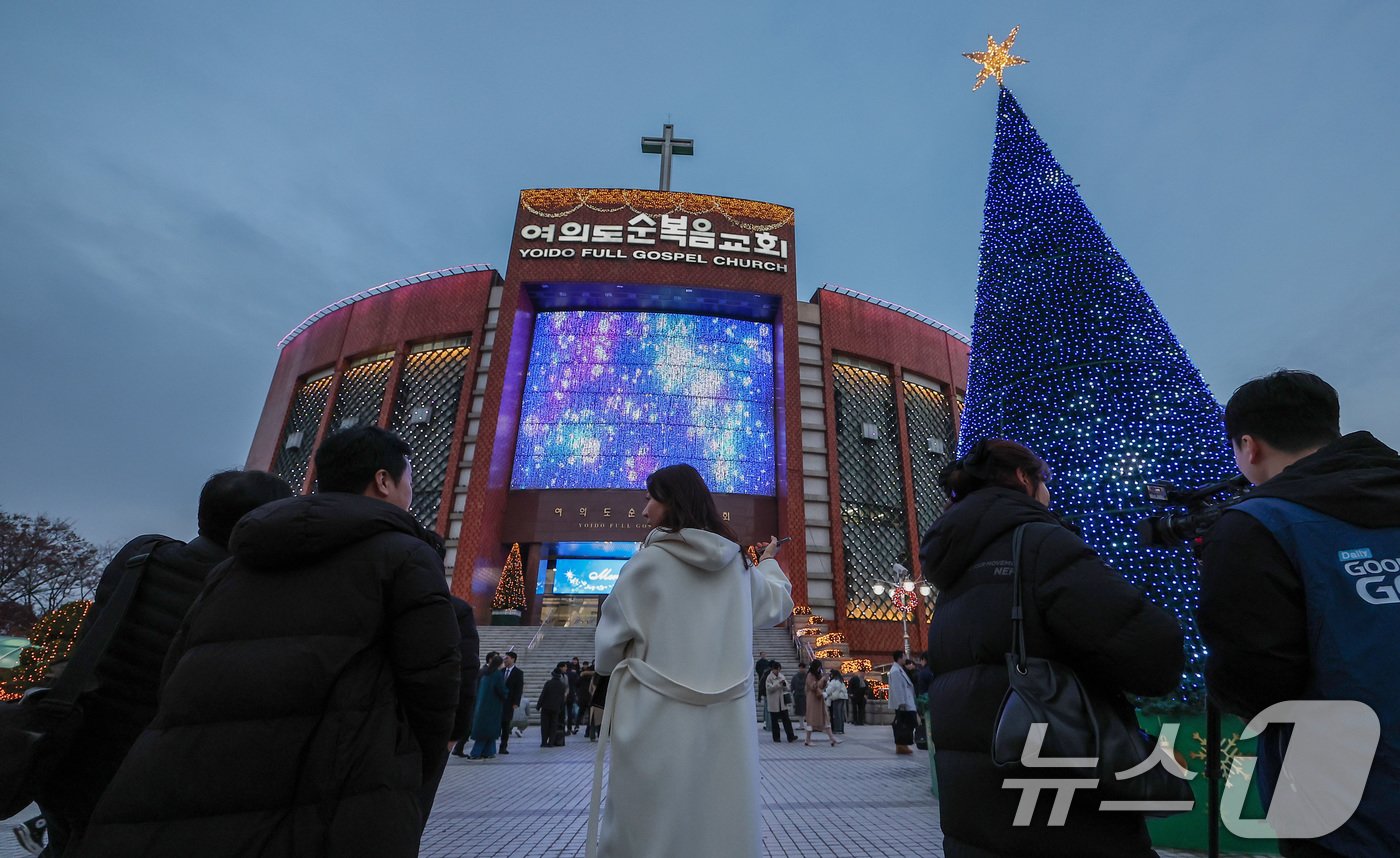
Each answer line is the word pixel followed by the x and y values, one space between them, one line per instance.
pixel 183 183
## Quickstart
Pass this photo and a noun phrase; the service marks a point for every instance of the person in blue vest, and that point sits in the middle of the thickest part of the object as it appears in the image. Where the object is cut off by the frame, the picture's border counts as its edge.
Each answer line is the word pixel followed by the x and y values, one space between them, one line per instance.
pixel 1300 590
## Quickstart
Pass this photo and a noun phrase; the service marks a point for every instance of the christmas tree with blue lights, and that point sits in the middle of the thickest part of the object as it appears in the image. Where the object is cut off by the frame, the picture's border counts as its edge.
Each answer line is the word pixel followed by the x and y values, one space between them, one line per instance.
pixel 1071 358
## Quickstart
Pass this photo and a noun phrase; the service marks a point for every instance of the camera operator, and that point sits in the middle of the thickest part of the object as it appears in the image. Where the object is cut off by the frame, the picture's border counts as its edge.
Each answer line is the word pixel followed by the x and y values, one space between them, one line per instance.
pixel 1282 615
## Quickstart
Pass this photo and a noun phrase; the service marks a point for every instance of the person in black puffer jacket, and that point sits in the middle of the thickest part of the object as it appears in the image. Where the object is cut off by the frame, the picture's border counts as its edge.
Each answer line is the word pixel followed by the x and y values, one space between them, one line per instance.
pixel 310 692
pixel 127 678
pixel 1079 612
pixel 470 649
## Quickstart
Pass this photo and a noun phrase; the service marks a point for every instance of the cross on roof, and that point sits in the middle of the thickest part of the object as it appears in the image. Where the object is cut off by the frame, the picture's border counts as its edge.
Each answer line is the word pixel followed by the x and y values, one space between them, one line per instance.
pixel 667 145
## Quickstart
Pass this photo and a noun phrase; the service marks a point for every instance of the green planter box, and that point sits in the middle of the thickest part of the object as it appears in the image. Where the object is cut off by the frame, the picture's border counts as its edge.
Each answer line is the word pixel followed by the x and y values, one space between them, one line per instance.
pixel 505 618
pixel 1191 830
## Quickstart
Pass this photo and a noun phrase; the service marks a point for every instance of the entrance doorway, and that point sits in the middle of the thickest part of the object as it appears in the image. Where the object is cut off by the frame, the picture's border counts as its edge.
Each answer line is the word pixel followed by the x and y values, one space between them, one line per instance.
pixel 575 577
pixel 570 611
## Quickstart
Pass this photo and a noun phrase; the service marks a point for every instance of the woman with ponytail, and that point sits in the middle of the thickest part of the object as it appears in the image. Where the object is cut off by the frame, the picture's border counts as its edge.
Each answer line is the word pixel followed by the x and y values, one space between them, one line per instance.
pixel 1077 610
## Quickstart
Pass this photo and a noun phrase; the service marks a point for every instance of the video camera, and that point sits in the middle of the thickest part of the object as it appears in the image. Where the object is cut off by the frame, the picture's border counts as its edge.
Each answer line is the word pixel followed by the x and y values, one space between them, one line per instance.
pixel 1172 529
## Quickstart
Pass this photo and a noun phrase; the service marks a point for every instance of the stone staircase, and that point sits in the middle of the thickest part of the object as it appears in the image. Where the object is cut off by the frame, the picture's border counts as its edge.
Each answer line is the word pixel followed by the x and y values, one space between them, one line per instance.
pixel 776 643
pixel 830 647
pixel 554 644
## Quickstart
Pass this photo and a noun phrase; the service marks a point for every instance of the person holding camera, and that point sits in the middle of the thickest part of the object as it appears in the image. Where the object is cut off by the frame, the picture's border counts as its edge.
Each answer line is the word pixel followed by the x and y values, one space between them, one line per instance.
pixel 1300 596
pixel 1078 611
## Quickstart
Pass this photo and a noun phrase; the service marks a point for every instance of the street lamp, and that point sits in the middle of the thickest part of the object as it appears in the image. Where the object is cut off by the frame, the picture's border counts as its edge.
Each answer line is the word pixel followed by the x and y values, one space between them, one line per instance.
pixel 908 585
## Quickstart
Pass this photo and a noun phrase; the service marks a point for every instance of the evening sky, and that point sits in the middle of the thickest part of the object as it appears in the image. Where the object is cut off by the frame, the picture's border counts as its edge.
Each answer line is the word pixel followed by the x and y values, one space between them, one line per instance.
pixel 183 183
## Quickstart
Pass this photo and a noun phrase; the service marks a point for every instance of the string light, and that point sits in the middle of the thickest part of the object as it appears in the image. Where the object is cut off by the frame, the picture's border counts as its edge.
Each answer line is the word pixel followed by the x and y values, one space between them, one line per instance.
pixel 1071 358
pixel 751 215
pixel 857 665
pixel 830 638
pixel 51 641
pixel 996 59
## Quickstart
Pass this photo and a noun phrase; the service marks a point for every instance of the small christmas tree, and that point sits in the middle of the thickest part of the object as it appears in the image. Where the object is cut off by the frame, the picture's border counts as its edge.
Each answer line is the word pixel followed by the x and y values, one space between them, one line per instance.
pixel 510 591
pixel 52 640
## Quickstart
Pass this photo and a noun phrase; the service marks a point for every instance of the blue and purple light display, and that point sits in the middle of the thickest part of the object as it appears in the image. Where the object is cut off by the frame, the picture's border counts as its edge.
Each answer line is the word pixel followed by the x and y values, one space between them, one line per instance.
pixel 612 396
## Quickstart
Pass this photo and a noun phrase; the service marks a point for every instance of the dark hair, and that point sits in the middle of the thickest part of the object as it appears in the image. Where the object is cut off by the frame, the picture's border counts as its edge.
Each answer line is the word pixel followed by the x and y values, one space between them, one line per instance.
pixel 1290 409
pixel 898 656
pixel 494 663
pixel 774 665
pixel 511 653
pixel 347 461
pixel 991 462
pixel 688 501
pixel 835 674
pixel 229 495
pixel 815 668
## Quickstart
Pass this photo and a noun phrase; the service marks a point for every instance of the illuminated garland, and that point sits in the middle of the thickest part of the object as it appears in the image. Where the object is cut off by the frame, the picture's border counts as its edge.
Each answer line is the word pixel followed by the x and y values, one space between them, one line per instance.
pixel 815 620
pixel 857 665
pixel 829 653
pixel 801 610
pixel 808 632
pixel 562 202
pixel 510 591
pixel 879 690
pixel 52 640
pixel 831 638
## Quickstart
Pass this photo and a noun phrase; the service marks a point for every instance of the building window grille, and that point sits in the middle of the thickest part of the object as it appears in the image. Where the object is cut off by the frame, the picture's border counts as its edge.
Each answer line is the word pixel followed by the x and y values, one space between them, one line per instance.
pixel 294 453
pixel 361 394
pixel 424 415
pixel 928 416
pixel 874 523
pixel 929 419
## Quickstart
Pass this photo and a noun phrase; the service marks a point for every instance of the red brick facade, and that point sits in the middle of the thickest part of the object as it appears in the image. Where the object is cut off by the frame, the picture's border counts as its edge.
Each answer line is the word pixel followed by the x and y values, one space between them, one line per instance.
pixel 877 334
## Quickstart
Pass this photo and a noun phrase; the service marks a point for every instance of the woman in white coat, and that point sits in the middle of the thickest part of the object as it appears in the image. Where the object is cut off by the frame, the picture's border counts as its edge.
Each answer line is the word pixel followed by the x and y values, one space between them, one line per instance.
pixel 675 638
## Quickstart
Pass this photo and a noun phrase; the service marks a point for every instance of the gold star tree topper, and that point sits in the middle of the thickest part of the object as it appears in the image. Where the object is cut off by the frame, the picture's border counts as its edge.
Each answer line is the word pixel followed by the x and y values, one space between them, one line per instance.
pixel 996 58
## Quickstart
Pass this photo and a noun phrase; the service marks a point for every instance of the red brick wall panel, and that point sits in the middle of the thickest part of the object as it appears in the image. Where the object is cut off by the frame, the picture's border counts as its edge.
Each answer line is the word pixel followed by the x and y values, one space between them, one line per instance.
pixel 880 335
pixel 448 306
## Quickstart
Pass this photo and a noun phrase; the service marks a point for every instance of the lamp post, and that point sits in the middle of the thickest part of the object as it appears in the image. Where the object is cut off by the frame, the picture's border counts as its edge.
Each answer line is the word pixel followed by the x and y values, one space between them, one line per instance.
pixel 906 584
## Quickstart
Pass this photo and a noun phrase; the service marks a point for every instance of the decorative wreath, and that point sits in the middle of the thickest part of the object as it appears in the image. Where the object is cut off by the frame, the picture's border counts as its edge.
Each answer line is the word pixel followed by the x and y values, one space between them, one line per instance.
pixel 904 600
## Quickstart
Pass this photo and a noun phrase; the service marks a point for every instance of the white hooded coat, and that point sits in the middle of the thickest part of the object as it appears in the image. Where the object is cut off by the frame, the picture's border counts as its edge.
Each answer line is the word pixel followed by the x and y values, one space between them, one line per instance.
pixel 684 773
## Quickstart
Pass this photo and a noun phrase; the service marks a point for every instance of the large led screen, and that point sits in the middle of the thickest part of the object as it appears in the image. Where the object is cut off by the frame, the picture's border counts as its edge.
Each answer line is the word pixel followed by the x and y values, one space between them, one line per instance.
pixel 585 577
pixel 611 397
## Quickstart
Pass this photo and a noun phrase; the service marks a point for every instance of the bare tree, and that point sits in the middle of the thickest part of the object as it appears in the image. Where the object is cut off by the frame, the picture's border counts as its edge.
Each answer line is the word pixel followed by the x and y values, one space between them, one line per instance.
pixel 44 563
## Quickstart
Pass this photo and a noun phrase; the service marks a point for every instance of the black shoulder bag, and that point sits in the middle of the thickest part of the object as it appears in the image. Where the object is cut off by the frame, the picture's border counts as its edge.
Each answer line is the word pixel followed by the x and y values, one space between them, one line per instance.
pixel 37 730
pixel 1079 724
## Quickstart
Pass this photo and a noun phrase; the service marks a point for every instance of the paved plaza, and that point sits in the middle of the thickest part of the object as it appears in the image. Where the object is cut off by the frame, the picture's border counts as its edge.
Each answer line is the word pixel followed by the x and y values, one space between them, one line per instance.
pixel 818 801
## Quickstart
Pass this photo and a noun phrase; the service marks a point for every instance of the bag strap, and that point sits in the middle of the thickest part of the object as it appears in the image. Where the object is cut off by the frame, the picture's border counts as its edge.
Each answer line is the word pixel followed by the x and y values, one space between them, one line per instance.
pixel 1018 610
pixel 89 650
pixel 1018 614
